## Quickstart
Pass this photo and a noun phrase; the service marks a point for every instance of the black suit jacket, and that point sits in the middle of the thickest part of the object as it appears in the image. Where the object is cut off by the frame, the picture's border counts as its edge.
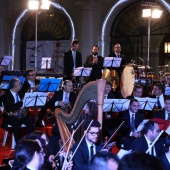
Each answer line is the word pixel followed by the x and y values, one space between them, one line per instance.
pixel 123 62
pixel 140 145
pixel 96 72
pixel 81 158
pixel 69 64
pixel 111 96
pixel 26 85
pixel 164 162
pixel 160 114
pixel 127 127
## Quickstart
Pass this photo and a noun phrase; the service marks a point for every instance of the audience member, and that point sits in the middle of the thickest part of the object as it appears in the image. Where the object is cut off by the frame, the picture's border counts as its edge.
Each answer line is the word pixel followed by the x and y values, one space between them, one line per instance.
pixel 104 160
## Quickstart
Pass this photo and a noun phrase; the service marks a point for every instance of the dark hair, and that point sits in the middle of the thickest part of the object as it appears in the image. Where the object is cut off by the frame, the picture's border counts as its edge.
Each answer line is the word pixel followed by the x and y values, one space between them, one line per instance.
pixel 133 100
pixel 167 143
pixel 75 41
pixel 28 71
pixel 109 83
pixel 160 87
pixel 148 126
pixel 66 81
pixel 96 46
pixel 167 98
pixel 13 83
pixel 100 160
pixel 139 161
pixel 95 123
pixel 137 87
pixel 93 109
pixel 24 153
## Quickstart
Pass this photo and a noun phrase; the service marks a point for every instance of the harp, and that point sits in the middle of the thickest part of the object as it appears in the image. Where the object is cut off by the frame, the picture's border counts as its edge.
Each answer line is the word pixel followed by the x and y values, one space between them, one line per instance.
pixel 93 90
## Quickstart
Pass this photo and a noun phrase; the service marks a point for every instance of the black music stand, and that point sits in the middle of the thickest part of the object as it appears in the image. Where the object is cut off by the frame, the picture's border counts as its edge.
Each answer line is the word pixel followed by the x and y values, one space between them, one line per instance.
pixel 120 104
pixel 35 99
pixel 49 85
pixel 150 103
pixel 142 102
pixel 5 61
pixel 82 71
pixel 112 62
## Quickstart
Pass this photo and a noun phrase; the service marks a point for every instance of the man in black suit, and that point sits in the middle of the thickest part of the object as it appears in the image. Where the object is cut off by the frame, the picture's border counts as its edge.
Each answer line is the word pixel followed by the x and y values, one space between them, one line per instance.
pixel 31 83
pixel 117 53
pixel 12 103
pixel 137 92
pixel 151 130
pixel 96 62
pixel 61 98
pixel 164 113
pixel 129 130
pixel 88 148
pixel 72 60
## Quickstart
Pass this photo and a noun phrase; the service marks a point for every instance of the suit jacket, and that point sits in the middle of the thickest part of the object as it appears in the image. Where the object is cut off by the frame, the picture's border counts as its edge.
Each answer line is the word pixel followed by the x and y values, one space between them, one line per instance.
pixel 111 96
pixel 26 85
pixel 58 96
pixel 96 72
pixel 160 114
pixel 123 62
pixel 127 127
pixel 81 158
pixel 140 145
pixel 130 97
pixel 164 162
pixel 69 63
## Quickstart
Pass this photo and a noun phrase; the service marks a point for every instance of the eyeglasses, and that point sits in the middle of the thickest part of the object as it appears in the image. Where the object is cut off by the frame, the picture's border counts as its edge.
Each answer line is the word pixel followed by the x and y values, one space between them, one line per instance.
pixel 94 133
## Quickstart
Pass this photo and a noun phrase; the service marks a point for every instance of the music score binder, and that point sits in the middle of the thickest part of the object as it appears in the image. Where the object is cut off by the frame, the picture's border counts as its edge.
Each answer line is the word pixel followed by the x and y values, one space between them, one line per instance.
pixel 6 80
pixel 5 61
pixel 49 85
pixel 112 62
pixel 82 71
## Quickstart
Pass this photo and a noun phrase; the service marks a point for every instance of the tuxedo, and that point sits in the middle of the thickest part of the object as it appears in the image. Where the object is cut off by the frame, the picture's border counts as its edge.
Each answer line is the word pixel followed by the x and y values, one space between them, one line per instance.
pixel 123 62
pixel 96 72
pixel 126 140
pixel 164 162
pixel 140 145
pixel 69 63
pixel 58 96
pixel 11 106
pixel 26 86
pixel 81 158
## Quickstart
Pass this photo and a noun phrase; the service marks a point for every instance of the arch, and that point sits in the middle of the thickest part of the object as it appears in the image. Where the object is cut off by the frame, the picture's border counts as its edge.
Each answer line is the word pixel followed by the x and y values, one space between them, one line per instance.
pixel 18 20
pixel 106 26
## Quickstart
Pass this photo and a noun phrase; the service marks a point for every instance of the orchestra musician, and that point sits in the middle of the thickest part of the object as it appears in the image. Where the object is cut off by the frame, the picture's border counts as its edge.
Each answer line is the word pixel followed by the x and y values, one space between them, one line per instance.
pixel 64 99
pixel 88 148
pixel 167 79
pixel 72 60
pixel 96 62
pixel 137 92
pixel 13 103
pixel 31 83
pixel 129 130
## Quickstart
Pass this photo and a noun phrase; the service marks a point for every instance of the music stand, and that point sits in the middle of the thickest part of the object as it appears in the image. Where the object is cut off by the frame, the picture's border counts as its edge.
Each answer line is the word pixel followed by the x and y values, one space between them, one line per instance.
pixel 5 61
pixel 120 104
pixel 142 102
pixel 82 71
pixel 108 105
pixel 46 63
pixel 35 99
pixel 49 85
pixel 150 103
pixel 112 62
pixel 167 90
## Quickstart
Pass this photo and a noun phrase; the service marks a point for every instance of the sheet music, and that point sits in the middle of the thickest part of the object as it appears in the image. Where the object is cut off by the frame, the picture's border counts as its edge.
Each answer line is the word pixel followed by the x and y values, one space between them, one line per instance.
pixel 6 60
pixel 78 71
pixel 108 104
pixel 142 102
pixel 167 91
pixel 82 71
pixel 112 62
pixel 150 103
pixel 45 63
pixel 34 99
pixel 123 152
pixel 141 125
pixel 168 130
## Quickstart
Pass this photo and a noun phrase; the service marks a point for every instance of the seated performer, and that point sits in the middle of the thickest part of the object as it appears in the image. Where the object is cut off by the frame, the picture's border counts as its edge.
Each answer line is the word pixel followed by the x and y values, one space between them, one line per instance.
pixel 167 79
pixel 64 99
pixel 87 148
pixel 164 113
pixel 151 130
pixel 129 130
pixel 108 94
pixel 96 62
pixel 137 92
pixel 12 103
pixel 31 83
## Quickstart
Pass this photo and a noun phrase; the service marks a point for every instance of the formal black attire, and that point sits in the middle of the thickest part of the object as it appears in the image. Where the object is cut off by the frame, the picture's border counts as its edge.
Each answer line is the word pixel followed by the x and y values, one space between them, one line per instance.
pixel 26 85
pixel 160 114
pixel 164 162
pixel 140 145
pixel 69 63
pixel 96 72
pixel 126 139
pixel 81 158
pixel 11 106
pixel 123 62
pixel 58 96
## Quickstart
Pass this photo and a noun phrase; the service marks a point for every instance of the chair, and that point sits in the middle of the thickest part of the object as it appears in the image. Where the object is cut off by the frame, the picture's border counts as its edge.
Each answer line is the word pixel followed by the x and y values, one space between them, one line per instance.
pixel 13 139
